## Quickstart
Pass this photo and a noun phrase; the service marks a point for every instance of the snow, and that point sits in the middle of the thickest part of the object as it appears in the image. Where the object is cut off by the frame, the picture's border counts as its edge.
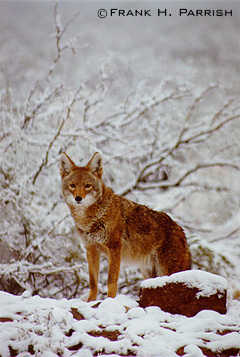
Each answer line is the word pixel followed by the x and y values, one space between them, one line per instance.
pixel 49 326
pixel 207 283
pixel 193 351
pixel 135 104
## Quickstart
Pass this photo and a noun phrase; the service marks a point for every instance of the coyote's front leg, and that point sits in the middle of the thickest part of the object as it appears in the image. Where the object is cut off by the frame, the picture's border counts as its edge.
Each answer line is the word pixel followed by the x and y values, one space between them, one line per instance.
pixel 93 256
pixel 114 260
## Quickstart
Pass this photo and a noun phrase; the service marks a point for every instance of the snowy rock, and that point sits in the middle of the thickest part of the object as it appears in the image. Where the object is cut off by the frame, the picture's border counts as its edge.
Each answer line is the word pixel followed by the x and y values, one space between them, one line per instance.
pixel 185 293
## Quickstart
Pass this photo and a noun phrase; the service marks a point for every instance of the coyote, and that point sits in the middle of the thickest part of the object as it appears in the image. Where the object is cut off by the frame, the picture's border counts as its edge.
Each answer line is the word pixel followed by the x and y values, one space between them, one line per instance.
pixel 122 229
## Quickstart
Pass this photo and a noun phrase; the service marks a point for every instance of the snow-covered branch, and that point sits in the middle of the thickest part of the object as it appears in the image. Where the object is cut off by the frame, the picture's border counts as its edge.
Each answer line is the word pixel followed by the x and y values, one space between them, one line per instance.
pixel 60 30
pixel 58 133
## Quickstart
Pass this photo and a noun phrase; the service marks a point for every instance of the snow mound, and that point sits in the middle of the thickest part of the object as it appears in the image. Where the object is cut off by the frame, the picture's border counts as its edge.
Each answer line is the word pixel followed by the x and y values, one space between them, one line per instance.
pixel 207 283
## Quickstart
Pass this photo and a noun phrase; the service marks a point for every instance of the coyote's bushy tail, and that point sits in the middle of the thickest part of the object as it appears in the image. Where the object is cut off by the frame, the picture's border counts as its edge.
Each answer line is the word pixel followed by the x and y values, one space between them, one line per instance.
pixel 174 254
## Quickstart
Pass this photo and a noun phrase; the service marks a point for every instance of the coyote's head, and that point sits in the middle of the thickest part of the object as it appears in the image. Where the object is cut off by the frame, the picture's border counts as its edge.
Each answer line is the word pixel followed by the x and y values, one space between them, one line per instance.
pixel 81 186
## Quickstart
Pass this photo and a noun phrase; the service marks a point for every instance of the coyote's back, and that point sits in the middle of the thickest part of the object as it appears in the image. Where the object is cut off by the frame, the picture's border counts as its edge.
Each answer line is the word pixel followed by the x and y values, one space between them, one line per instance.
pixel 122 229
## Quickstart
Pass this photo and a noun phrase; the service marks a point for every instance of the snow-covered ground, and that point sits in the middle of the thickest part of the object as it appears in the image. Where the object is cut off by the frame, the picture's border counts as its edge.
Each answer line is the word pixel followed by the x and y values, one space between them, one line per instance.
pixel 113 327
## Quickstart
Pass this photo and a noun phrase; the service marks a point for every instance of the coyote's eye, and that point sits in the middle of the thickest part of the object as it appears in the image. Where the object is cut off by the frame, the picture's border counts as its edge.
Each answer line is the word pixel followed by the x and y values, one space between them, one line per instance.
pixel 72 185
pixel 88 186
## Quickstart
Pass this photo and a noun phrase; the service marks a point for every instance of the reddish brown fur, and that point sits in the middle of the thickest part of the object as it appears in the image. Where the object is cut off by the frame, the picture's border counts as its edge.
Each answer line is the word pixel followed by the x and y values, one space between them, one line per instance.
pixel 122 229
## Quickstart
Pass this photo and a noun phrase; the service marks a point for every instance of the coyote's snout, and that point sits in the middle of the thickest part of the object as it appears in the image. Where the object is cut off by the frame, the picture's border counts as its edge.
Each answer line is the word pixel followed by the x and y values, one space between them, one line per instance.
pixel 120 228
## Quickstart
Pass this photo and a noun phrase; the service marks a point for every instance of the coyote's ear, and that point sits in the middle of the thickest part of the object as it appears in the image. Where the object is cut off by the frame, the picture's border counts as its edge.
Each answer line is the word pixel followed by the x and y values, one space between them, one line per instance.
pixel 95 165
pixel 66 165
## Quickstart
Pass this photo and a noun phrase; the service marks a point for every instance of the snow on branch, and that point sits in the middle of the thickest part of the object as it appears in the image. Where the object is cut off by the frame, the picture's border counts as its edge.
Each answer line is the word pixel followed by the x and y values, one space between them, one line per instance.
pixel 166 184
pixel 32 111
pixel 198 99
pixel 59 131
pixel 186 137
pixel 60 30
pixel 33 108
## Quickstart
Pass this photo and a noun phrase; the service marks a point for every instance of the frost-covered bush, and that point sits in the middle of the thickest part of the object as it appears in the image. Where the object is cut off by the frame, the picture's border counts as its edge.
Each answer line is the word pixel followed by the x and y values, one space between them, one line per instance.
pixel 175 148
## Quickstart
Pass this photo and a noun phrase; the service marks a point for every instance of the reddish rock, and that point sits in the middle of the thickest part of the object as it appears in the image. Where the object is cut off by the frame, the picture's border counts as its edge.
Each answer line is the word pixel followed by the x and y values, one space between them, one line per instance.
pixel 185 293
pixel 76 314
pixel 231 352
pixel 111 335
pixel 6 319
